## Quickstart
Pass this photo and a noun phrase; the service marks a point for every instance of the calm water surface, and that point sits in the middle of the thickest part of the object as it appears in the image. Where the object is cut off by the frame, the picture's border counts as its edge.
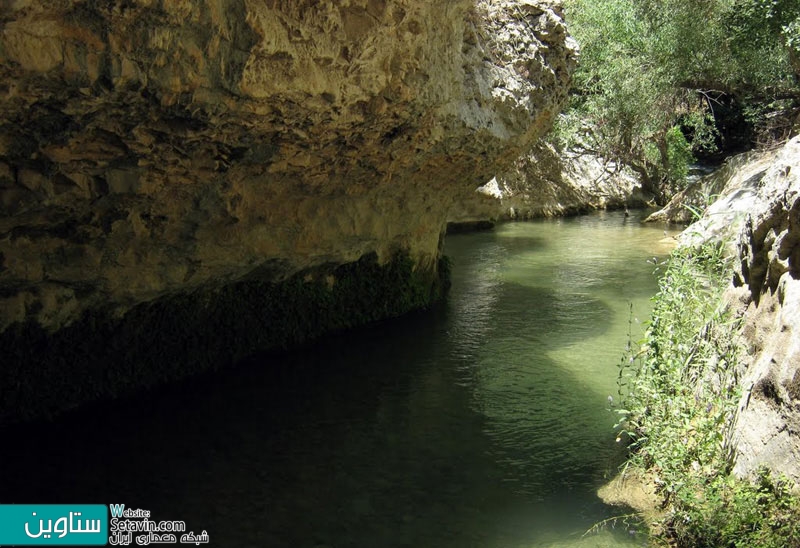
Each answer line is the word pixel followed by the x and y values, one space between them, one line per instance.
pixel 483 423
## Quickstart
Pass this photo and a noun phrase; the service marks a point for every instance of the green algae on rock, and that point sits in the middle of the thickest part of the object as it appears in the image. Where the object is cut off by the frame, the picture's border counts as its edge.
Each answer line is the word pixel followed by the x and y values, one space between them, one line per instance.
pixel 102 355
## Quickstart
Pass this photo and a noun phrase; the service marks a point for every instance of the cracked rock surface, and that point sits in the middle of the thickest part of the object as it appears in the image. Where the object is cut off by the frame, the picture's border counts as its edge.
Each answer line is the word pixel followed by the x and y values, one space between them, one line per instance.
pixel 768 280
pixel 150 148
pixel 759 208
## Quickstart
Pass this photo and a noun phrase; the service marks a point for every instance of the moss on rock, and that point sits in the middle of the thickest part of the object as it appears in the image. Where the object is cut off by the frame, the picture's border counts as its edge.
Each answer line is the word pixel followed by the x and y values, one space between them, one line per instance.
pixel 101 356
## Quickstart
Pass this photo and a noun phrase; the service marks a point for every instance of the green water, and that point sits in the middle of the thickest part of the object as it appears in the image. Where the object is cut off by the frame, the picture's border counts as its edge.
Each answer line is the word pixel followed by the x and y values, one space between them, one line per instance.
pixel 542 313
pixel 483 423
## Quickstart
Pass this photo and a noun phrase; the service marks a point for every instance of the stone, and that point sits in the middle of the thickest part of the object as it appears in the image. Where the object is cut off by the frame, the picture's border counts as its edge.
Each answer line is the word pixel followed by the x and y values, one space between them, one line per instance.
pixel 306 132
pixel 761 207
pixel 703 184
pixel 546 182
pixel 162 150
pixel 738 187
pixel 767 431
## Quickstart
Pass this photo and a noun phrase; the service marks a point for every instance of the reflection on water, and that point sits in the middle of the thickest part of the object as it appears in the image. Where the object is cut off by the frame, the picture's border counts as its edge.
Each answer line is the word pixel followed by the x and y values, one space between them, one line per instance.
pixel 482 423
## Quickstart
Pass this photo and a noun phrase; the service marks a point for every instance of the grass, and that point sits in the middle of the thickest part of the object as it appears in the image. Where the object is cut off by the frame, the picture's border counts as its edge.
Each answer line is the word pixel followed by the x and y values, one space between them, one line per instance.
pixel 679 393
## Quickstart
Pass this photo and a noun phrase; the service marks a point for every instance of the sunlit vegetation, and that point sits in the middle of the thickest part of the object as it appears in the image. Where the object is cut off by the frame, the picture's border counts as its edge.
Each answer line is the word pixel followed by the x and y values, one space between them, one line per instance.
pixel 660 83
pixel 679 395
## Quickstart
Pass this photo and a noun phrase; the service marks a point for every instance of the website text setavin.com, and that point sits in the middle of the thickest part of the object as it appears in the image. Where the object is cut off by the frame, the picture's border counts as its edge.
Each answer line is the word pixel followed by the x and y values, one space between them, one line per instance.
pixel 89 525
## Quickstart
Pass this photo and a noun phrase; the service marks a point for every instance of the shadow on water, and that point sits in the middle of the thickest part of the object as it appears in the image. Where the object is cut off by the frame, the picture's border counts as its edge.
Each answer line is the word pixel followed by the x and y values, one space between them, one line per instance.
pixel 356 442
pixel 551 318
pixel 459 427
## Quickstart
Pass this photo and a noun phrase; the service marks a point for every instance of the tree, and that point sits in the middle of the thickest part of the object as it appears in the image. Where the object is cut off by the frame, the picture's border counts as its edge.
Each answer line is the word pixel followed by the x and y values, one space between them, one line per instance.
pixel 653 75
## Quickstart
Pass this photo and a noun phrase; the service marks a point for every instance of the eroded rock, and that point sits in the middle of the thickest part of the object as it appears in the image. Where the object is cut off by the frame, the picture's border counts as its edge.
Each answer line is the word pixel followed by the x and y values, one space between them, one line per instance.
pixel 152 147
pixel 768 278
pixel 546 182
pixel 153 150
pixel 761 207
pixel 723 198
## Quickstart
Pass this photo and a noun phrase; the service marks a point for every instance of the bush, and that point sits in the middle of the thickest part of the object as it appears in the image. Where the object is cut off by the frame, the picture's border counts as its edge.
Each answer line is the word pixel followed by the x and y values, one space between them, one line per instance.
pixel 679 157
pixel 679 394
pixel 647 67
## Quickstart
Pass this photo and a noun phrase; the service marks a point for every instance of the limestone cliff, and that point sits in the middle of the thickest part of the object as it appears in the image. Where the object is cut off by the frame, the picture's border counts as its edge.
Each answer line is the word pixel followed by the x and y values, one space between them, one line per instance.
pixel 546 182
pixel 760 208
pixel 154 150
pixel 768 283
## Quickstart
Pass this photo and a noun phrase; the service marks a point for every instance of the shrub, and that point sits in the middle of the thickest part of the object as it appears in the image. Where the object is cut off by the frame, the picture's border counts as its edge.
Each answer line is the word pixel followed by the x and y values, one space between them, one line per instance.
pixel 679 395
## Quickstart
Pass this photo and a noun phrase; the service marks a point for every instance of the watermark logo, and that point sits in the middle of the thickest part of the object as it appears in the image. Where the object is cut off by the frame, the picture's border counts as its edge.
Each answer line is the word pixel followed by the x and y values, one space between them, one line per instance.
pixel 53 524
pixel 135 526
pixel 89 525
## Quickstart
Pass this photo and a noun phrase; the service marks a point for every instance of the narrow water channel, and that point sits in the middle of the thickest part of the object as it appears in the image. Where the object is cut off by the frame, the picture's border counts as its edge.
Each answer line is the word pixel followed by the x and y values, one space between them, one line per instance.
pixel 483 423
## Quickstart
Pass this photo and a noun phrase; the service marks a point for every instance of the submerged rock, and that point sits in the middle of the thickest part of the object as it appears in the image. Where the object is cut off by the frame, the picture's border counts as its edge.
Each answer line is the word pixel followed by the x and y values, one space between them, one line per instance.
pixel 152 151
pixel 632 488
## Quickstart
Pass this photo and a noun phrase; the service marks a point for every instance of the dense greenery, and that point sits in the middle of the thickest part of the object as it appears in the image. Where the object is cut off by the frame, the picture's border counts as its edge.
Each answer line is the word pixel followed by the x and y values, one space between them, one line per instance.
pixel 661 81
pixel 679 396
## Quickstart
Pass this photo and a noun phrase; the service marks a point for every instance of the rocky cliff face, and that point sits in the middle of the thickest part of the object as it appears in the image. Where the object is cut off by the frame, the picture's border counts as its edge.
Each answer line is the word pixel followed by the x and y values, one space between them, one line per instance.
pixel 545 182
pixel 735 183
pixel 759 208
pixel 767 282
pixel 155 150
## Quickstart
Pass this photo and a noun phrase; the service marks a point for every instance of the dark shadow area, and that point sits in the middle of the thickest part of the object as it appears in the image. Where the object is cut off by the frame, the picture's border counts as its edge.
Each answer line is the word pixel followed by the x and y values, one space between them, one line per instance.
pixel 102 356
pixel 371 438
pixel 452 427
pixel 469 226
pixel 364 440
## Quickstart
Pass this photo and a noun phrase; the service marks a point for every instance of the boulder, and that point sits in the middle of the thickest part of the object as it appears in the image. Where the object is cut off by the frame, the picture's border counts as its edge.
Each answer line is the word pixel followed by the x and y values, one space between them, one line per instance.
pixel 758 215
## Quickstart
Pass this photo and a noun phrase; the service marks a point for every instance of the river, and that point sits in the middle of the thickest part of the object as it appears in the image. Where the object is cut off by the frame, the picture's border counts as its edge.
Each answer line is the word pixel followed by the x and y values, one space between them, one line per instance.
pixel 483 423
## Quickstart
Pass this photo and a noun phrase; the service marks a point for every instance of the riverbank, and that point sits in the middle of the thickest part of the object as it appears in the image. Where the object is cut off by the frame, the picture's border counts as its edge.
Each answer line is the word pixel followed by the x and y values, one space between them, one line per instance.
pixel 709 403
